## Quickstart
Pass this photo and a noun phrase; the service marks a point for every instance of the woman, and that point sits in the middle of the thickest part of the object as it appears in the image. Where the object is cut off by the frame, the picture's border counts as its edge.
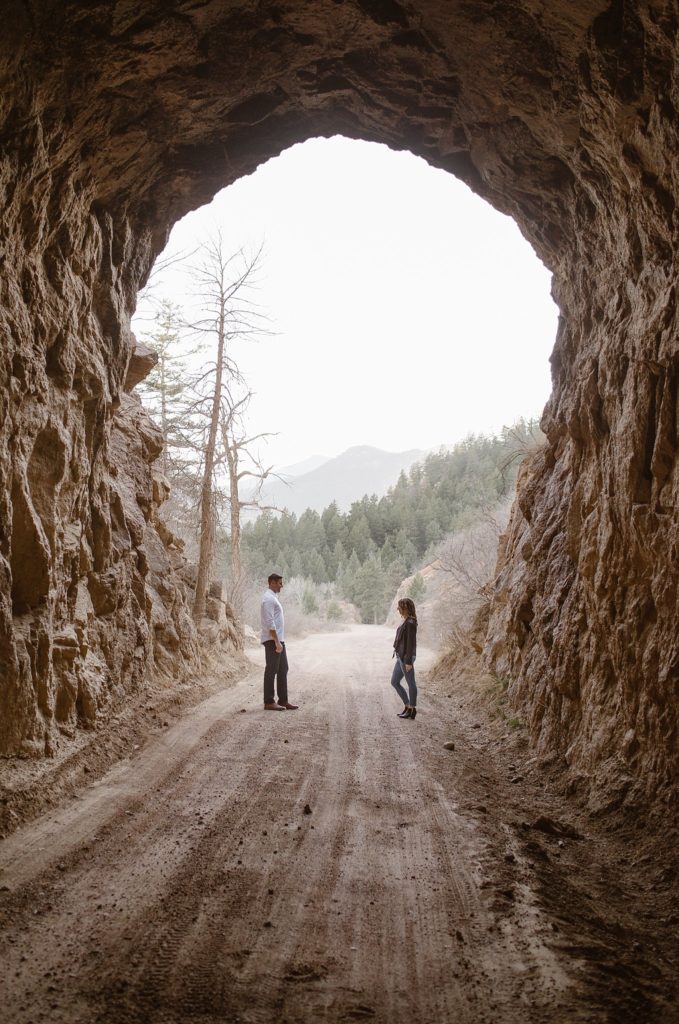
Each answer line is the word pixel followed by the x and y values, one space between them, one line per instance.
pixel 405 648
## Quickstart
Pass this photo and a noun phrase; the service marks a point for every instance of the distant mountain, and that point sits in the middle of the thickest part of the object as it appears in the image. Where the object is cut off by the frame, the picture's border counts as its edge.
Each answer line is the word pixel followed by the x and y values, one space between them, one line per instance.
pixel 306 466
pixel 344 479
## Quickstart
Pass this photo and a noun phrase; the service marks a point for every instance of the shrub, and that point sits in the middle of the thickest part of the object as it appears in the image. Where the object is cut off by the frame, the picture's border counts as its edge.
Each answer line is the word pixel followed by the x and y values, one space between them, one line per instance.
pixel 417 588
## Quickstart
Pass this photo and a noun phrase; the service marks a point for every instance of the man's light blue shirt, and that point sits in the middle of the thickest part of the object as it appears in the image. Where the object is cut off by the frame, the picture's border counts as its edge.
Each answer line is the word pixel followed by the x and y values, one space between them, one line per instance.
pixel 271 611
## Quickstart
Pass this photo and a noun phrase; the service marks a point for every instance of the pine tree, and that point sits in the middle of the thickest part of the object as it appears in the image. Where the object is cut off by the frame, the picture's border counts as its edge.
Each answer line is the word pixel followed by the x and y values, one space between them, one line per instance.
pixel 335 561
pixel 359 538
pixel 164 388
pixel 370 590
pixel 347 583
pixel 417 587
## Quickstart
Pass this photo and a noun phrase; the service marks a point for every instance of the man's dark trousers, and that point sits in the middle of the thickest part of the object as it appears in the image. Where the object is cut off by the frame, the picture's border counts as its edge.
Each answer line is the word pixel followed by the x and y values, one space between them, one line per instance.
pixel 276 668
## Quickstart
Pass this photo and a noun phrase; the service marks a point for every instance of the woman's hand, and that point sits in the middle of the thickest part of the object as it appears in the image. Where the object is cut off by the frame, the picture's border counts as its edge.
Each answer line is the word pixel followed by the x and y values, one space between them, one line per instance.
pixel 408 668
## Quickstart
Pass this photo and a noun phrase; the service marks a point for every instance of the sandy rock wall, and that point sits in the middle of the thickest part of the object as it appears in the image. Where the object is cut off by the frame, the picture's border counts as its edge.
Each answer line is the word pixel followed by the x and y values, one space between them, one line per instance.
pixel 97 600
pixel 62 561
pixel 583 625
pixel 116 118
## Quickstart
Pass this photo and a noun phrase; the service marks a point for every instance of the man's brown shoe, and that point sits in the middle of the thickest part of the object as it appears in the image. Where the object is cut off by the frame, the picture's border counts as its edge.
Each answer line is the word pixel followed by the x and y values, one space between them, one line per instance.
pixel 274 707
pixel 288 707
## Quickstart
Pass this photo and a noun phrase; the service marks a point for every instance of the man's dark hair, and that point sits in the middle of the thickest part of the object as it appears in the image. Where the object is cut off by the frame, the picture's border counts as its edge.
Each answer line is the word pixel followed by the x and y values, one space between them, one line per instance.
pixel 274 578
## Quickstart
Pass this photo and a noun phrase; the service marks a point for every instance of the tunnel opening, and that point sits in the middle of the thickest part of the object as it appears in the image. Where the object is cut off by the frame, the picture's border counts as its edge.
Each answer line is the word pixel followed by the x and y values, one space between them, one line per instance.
pixel 407 316
pixel 125 117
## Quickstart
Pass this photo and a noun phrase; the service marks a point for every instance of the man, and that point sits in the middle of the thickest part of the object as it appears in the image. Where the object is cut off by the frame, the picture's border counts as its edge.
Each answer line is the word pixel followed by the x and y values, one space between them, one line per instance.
pixel 273 638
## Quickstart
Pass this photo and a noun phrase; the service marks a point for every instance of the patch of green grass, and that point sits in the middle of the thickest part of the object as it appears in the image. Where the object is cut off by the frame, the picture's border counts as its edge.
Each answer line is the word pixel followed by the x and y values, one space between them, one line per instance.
pixel 494 690
pixel 503 683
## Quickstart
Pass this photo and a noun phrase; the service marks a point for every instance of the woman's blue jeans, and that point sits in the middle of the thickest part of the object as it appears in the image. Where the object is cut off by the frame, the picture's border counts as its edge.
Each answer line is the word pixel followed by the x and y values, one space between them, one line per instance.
pixel 396 677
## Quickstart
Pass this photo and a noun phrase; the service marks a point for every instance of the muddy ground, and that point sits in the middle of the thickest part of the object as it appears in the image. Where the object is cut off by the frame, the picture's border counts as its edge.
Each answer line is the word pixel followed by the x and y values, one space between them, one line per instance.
pixel 334 864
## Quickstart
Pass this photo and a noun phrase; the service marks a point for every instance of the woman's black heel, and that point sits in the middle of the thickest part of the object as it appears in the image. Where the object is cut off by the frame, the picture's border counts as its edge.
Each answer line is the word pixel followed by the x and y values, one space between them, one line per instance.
pixel 405 713
pixel 413 712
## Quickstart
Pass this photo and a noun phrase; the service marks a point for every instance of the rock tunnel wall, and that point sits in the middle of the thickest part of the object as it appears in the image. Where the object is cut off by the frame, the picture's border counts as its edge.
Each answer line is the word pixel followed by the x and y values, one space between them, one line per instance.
pixel 118 117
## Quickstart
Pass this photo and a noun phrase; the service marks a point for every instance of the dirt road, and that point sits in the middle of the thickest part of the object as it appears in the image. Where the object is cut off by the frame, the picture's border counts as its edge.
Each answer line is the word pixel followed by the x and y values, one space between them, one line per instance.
pixel 189 884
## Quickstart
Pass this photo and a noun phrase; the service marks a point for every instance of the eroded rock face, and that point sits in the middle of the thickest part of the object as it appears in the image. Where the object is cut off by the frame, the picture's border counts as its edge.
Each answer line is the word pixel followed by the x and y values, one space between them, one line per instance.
pixel 119 117
pixel 98 603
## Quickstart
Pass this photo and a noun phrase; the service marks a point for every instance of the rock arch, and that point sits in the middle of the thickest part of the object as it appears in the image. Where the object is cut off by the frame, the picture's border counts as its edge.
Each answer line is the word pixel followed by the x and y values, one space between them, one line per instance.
pixel 118 117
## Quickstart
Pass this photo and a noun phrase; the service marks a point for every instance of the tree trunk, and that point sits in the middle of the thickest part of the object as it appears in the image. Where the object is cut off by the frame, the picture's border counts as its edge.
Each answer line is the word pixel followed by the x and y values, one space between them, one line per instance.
pixel 206 524
pixel 236 566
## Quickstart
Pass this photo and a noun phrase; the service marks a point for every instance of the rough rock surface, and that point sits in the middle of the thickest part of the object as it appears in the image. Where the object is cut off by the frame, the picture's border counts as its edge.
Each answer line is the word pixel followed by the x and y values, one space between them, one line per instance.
pixel 118 117
pixel 118 608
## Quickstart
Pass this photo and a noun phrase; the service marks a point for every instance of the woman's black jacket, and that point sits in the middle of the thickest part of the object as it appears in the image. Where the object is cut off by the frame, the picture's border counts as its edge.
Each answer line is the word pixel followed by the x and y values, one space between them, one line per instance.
pixel 405 643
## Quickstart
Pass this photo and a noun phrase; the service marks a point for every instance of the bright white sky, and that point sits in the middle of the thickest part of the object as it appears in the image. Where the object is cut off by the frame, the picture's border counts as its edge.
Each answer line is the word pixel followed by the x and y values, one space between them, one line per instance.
pixel 408 312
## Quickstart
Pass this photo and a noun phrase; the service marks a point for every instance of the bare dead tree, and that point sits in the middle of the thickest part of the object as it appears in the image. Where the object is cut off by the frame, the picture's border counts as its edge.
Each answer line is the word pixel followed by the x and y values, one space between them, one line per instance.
pixel 228 313
pixel 148 301
pixel 242 462
pixel 469 557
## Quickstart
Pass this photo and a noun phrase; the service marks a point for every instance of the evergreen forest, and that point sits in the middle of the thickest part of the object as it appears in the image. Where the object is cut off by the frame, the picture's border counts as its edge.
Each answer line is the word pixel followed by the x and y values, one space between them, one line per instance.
pixel 370 549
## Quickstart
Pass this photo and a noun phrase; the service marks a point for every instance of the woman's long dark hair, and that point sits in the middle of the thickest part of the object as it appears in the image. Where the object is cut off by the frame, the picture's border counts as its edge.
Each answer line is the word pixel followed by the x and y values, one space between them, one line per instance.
pixel 406 604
